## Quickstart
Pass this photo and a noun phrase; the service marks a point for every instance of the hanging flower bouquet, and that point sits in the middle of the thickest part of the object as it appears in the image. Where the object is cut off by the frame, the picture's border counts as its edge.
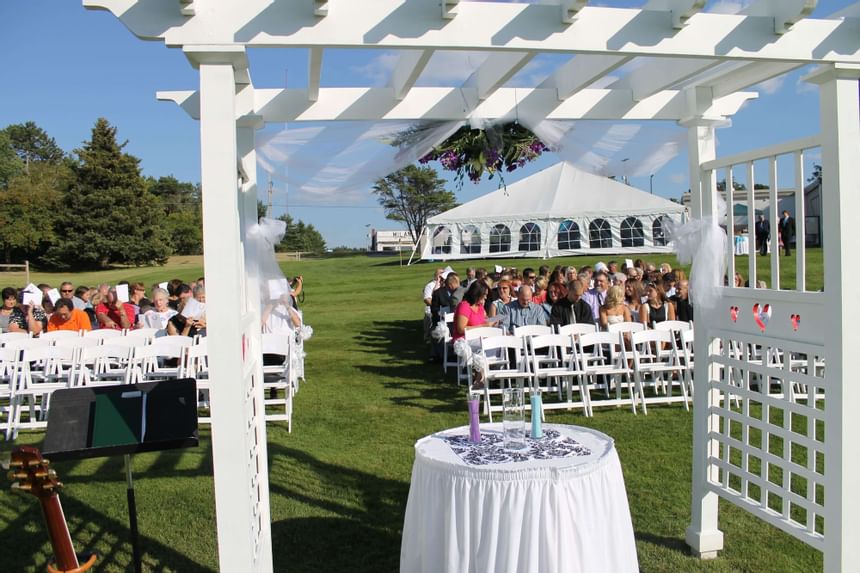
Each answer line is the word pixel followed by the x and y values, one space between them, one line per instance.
pixel 493 149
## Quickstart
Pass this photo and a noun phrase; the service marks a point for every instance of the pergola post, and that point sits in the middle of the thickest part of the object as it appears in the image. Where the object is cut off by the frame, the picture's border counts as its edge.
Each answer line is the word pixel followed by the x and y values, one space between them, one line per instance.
pixel 702 535
pixel 238 427
pixel 840 152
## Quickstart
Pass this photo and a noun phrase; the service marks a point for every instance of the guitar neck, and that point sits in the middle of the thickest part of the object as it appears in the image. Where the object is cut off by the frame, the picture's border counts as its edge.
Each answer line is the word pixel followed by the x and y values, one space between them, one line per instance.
pixel 58 531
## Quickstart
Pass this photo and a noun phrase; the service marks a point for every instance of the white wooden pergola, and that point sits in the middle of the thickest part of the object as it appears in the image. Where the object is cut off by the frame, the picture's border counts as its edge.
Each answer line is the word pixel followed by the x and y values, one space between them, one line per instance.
pixel 676 61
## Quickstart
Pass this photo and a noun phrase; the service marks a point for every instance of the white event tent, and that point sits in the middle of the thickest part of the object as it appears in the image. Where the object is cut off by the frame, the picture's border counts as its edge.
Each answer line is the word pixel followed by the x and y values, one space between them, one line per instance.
pixel 558 211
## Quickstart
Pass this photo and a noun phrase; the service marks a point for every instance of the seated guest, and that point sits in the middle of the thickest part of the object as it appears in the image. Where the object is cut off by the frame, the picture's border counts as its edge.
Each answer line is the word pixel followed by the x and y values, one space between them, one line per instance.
pixel 10 303
pixel 595 297
pixel 67 317
pixel 634 293
pixel 540 285
pixel 669 282
pixel 554 293
pixel 470 312
pixel 503 297
pixel 136 293
pixel 657 308
pixel 181 294
pixel 281 316
pixel 571 309
pixel 681 300
pixel 114 314
pixel 522 311
pixel 20 318
pixel 442 297
pixel 82 297
pixel 161 314
pixel 614 311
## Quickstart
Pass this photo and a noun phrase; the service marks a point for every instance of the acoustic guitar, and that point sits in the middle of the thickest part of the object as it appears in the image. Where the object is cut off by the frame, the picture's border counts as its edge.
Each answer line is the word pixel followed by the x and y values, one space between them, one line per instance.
pixel 31 473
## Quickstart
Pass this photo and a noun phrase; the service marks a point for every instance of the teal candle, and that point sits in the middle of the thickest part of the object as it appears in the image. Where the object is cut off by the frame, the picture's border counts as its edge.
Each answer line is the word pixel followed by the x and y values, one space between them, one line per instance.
pixel 537 429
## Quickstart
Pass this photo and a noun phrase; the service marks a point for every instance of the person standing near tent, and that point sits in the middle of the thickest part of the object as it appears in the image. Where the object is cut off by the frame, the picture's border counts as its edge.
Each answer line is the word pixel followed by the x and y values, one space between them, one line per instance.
pixel 786 231
pixel 762 234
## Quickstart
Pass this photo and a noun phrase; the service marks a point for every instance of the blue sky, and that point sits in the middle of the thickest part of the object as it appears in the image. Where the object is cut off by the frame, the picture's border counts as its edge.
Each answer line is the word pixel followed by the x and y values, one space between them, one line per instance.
pixel 65 66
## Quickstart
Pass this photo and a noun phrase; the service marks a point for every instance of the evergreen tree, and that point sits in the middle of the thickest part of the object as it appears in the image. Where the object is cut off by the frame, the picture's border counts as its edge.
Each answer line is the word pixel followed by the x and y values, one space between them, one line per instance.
pixel 183 221
pixel 301 237
pixel 31 144
pixel 110 217
pixel 10 164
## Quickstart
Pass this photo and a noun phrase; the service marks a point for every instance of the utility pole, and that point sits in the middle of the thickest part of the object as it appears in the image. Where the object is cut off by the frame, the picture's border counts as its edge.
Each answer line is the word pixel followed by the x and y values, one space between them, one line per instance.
pixel 651 183
pixel 269 204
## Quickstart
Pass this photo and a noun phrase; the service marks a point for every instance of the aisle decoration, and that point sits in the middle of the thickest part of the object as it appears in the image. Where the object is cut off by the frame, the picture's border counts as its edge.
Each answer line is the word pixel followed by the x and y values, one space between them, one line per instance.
pixel 474 361
pixel 491 149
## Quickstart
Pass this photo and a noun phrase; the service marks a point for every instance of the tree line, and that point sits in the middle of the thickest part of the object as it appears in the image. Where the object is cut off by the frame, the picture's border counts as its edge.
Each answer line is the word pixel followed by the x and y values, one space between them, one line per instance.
pixel 92 208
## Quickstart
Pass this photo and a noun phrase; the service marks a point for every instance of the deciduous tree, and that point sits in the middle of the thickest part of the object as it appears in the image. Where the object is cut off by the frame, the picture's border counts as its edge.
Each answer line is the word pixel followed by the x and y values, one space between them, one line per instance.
pixel 412 195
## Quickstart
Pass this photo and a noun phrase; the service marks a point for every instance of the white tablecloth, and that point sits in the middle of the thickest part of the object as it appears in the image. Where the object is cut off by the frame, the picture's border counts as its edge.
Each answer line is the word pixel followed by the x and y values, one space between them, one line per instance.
pixel 742 244
pixel 559 515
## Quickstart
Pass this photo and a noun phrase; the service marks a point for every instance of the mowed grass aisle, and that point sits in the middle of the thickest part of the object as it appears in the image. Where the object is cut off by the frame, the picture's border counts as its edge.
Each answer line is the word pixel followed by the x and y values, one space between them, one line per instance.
pixel 339 482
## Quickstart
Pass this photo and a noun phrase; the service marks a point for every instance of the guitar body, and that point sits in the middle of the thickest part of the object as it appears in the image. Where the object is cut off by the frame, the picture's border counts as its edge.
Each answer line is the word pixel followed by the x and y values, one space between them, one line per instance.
pixel 33 475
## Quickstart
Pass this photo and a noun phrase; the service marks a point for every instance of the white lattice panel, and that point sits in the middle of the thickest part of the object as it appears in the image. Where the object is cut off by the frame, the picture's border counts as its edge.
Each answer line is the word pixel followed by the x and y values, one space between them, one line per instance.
pixel 769 456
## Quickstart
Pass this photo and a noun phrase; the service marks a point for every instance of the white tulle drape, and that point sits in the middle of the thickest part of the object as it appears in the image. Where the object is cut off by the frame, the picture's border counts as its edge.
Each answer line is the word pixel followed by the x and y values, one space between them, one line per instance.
pixel 703 244
pixel 342 160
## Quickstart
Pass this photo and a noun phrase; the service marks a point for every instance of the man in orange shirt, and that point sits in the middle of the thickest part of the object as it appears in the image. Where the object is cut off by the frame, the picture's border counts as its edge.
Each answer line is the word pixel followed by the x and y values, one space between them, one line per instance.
pixel 67 317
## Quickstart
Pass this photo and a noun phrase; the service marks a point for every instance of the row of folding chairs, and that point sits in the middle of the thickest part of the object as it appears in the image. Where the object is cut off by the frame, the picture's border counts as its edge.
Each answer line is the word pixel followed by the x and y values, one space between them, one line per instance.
pixel 578 361
pixel 31 369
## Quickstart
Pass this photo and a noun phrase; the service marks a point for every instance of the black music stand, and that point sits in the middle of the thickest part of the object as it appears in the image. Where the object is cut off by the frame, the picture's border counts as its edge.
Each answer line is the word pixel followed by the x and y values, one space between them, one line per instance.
pixel 92 422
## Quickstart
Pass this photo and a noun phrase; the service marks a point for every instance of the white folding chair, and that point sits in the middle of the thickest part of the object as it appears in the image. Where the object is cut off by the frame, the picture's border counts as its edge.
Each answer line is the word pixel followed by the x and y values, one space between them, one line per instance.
pixel 36 379
pixel 197 367
pixel 59 334
pixel 576 329
pixel 10 336
pixel 673 325
pixel 551 358
pixel 685 353
pixel 76 344
pixel 506 364
pixel 103 365
pixel 625 327
pixel 8 368
pixel 103 333
pixel 153 360
pixel 449 344
pixel 651 365
pixel 147 334
pixel 601 355
pixel 532 330
pixel 277 377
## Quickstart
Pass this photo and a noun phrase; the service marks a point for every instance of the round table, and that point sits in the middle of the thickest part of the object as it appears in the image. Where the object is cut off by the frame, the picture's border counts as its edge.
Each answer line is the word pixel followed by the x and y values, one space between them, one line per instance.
pixel 560 508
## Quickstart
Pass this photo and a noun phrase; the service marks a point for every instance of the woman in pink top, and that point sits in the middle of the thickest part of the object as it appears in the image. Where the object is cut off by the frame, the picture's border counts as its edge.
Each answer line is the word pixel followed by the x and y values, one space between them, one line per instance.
pixel 470 312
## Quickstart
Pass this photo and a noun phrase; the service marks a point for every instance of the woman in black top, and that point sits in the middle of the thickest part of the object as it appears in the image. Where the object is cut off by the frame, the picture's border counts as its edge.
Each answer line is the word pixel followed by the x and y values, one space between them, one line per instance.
pixel 657 308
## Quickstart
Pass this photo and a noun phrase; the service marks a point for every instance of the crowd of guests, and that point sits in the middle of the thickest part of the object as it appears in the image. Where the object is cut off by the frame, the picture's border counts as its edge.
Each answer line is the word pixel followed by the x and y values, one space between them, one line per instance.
pixel 177 309
pixel 603 294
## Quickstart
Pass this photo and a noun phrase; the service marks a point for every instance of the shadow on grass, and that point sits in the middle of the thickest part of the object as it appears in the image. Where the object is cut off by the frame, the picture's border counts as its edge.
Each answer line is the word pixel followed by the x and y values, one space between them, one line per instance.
pixel 362 535
pixel 107 537
pixel 398 356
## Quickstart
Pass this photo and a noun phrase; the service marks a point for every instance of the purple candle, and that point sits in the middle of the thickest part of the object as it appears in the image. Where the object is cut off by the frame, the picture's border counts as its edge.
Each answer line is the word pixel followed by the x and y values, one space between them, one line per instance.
pixel 474 418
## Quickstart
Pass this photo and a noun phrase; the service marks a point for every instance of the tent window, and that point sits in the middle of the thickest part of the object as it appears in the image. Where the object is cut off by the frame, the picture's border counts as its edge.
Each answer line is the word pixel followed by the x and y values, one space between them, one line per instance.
pixel 500 239
pixel 568 235
pixel 442 241
pixel 658 229
pixel 529 237
pixel 599 234
pixel 470 240
pixel 631 233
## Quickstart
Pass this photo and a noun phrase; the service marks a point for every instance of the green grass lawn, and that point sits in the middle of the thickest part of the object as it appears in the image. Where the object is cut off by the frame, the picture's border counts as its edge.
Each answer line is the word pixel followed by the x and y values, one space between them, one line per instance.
pixel 339 482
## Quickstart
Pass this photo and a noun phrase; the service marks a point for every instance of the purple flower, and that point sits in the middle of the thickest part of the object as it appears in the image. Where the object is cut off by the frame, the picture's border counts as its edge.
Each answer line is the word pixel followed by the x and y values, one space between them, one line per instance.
pixel 450 160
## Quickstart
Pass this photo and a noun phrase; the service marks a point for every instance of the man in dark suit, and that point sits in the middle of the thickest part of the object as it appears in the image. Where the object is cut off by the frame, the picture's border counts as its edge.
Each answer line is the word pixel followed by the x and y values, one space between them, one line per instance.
pixel 786 231
pixel 572 309
pixel 440 303
pixel 762 234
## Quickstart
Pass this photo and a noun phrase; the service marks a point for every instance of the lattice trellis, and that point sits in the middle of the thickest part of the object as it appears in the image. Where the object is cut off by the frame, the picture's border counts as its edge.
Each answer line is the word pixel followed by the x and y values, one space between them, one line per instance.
pixel 769 454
